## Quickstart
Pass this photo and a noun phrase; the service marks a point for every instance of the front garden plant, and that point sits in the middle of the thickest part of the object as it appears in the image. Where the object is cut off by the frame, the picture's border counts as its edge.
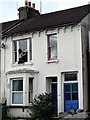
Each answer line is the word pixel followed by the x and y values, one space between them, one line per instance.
pixel 42 107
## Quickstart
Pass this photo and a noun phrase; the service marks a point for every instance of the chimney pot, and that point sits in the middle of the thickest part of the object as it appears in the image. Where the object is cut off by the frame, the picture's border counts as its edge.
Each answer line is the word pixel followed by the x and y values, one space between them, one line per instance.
pixel 26 2
pixel 33 5
pixel 29 3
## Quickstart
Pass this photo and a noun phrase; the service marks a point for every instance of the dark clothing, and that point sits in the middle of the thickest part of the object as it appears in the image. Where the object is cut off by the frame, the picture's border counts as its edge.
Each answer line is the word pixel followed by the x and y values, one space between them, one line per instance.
pixel 20 61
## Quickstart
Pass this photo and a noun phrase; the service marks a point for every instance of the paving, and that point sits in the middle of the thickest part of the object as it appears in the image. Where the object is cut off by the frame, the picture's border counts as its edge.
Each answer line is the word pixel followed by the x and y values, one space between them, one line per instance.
pixel 74 115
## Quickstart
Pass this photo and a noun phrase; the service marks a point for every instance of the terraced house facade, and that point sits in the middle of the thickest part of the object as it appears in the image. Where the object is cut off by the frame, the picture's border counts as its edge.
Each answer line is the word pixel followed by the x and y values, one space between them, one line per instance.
pixel 56 47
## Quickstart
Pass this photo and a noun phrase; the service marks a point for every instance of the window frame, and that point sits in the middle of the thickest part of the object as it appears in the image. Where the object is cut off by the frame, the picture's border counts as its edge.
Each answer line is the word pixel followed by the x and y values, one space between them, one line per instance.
pixel 11 93
pixel 29 50
pixel 49 48
pixel 30 90
pixel 73 75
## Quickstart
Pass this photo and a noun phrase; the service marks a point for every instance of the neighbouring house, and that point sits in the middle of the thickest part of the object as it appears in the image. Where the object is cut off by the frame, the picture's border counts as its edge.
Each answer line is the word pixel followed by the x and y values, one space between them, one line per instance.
pixel 55 59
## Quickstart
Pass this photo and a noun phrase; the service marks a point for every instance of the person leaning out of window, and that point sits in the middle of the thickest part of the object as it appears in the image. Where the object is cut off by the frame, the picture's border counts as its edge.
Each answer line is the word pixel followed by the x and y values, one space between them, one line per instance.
pixel 22 55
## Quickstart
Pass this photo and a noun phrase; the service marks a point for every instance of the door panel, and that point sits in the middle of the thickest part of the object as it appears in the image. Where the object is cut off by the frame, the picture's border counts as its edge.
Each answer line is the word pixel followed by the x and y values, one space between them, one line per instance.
pixel 70 96
pixel 54 93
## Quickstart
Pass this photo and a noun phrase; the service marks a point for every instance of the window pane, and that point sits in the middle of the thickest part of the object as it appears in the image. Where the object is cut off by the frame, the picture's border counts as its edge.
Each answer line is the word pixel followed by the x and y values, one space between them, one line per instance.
pixel 23 45
pixel 74 87
pixel 74 96
pixel 20 85
pixel 30 96
pixel 67 88
pixel 30 49
pixel 17 98
pixel 70 77
pixel 17 85
pixel 54 79
pixel 30 90
pixel 14 85
pixel 15 51
pixel 53 52
pixel 30 84
pixel 53 40
pixel 67 96
pixel 15 45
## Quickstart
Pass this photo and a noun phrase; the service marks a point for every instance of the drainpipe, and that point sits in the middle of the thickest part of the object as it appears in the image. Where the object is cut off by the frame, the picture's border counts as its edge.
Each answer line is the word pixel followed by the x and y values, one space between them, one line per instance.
pixel 3 74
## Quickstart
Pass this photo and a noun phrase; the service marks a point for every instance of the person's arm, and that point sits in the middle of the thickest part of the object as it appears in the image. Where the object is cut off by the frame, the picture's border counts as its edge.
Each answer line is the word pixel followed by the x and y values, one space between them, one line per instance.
pixel 23 54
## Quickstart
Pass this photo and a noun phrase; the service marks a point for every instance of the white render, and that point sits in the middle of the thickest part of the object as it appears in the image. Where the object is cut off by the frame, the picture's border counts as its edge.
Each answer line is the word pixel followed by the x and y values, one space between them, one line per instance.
pixel 69 60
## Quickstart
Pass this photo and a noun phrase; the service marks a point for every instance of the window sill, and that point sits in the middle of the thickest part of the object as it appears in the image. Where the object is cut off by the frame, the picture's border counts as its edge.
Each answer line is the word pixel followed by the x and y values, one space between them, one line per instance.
pixel 26 63
pixel 53 61
pixel 17 106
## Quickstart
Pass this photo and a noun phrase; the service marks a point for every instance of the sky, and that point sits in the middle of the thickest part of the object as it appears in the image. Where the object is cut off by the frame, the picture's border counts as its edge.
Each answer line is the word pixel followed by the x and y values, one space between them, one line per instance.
pixel 9 12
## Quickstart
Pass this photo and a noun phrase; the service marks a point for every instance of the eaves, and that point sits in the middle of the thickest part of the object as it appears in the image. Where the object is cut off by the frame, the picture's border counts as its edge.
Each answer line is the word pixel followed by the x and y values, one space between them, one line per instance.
pixel 39 29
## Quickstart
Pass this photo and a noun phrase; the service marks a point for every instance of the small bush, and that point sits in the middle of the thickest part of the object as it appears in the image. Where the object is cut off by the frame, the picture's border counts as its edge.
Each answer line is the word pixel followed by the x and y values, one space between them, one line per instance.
pixel 42 107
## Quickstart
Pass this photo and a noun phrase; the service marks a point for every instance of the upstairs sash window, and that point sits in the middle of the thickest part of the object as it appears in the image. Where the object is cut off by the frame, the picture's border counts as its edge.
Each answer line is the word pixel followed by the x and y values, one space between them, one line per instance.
pixel 52 47
pixel 25 46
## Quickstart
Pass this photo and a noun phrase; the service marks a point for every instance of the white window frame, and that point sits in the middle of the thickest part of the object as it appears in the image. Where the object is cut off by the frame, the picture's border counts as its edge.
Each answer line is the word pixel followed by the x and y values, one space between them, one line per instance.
pixel 29 58
pixel 11 80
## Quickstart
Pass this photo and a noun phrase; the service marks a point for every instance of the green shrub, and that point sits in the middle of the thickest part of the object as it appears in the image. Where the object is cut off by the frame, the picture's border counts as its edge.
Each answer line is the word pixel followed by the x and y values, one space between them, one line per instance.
pixel 42 107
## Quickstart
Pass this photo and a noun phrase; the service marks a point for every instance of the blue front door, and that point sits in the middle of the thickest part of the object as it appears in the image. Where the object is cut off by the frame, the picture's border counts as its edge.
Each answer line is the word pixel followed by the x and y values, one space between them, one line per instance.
pixel 70 96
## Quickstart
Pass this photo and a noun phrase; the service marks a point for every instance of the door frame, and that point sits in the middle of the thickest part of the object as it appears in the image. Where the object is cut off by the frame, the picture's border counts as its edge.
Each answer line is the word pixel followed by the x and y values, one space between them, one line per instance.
pixel 49 83
pixel 63 82
pixel 52 83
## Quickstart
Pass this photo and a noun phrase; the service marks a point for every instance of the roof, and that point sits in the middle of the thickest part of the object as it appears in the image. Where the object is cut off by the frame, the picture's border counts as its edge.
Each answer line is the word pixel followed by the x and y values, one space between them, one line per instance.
pixel 50 20
pixel 6 25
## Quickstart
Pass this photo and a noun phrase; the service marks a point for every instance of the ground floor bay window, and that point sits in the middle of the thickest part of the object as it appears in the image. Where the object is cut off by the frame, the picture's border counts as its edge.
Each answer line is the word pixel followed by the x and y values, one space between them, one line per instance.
pixel 17 91
pixel 21 89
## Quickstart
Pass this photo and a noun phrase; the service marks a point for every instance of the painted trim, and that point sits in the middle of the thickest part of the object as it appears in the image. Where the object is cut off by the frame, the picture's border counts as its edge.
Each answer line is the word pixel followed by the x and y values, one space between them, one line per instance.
pixel 53 61
pixel 12 106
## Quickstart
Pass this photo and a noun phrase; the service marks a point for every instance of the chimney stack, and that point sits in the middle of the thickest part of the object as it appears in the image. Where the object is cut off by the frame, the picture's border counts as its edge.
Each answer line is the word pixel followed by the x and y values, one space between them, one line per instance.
pixel 27 11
